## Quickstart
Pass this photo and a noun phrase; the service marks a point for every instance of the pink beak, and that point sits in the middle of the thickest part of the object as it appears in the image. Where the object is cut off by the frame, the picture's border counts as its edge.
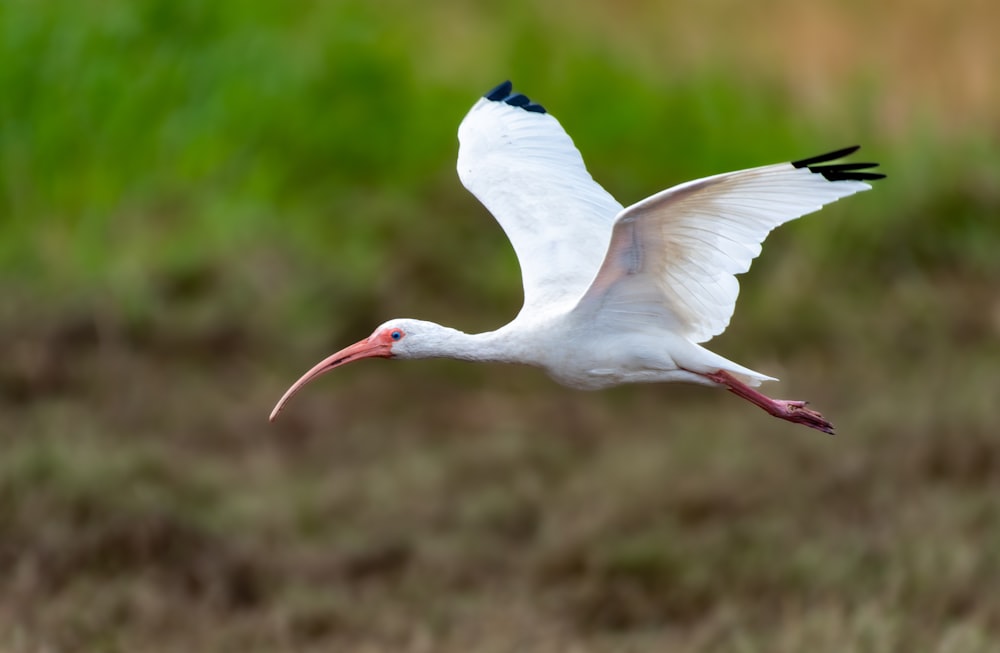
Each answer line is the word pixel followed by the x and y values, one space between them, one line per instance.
pixel 368 348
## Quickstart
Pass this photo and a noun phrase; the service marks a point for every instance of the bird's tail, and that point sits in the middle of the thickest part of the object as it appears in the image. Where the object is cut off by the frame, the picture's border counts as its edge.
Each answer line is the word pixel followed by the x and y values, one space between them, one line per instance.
pixel 707 362
pixel 748 376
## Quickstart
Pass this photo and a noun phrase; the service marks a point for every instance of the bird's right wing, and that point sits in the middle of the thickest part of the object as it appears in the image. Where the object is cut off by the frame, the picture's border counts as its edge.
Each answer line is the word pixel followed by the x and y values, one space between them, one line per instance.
pixel 520 163
pixel 673 256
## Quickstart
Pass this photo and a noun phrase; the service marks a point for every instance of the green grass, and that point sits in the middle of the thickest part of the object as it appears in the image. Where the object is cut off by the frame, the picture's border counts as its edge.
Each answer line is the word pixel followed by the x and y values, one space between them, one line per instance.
pixel 153 137
pixel 199 199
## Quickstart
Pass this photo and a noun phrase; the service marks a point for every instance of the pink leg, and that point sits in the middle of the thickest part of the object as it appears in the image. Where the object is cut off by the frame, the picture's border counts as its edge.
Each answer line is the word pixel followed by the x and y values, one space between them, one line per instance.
pixel 793 411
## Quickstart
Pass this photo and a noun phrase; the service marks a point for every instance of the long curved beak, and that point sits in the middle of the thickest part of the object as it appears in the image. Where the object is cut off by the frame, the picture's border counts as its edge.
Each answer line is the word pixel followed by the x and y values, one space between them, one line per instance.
pixel 367 348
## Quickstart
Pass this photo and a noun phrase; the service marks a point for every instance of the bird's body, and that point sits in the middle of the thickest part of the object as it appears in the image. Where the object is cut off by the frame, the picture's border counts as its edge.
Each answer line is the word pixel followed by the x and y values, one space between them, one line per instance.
pixel 603 360
pixel 614 295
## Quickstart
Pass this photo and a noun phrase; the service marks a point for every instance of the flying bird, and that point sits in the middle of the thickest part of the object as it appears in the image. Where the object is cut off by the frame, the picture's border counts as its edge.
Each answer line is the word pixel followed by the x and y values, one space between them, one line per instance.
pixel 613 294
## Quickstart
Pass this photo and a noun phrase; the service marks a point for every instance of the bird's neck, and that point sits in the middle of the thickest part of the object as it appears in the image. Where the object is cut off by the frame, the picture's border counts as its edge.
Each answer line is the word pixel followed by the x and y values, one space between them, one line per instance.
pixel 491 346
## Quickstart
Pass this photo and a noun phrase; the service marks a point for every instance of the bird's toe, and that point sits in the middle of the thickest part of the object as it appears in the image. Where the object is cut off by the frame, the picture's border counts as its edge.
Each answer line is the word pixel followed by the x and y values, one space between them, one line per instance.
pixel 811 419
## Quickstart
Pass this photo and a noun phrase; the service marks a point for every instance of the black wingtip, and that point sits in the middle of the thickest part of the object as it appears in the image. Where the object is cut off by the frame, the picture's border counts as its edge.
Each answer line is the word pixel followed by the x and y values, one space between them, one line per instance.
pixel 844 175
pixel 500 91
pixel 503 93
pixel 839 171
pixel 518 100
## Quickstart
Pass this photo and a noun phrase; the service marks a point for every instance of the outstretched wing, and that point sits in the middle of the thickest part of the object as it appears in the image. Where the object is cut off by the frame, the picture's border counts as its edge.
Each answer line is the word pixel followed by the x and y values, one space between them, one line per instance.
pixel 673 256
pixel 520 163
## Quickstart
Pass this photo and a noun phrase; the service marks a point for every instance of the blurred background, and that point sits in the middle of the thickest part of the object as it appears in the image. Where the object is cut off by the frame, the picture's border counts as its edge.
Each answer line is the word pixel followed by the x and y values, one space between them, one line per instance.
pixel 198 200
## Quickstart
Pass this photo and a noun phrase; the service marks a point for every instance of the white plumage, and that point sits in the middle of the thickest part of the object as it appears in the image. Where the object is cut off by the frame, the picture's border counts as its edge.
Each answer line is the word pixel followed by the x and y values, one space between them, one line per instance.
pixel 612 294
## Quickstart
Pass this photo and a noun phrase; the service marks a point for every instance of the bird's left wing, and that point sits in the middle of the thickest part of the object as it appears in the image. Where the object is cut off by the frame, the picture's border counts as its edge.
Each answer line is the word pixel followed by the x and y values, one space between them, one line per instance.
pixel 673 256
pixel 519 161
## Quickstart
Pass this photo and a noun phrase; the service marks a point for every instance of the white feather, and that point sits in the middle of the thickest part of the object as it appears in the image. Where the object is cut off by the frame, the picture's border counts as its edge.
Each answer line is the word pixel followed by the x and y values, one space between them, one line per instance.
pixel 525 169
pixel 679 249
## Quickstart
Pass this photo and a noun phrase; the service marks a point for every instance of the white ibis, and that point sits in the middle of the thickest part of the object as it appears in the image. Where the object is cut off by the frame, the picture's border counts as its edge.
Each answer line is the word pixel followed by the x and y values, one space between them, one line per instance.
pixel 611 294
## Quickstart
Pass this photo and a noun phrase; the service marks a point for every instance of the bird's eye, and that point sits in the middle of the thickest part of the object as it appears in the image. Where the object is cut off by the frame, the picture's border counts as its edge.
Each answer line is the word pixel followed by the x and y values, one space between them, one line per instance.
pixel 396 334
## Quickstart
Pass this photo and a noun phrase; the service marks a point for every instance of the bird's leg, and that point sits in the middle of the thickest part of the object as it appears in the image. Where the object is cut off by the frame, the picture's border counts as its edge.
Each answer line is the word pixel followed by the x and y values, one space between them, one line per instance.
pixel 793 411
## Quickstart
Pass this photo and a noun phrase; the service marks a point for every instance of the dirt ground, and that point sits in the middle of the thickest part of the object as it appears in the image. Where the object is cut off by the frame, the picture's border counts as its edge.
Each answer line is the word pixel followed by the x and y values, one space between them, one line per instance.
pixel 146 503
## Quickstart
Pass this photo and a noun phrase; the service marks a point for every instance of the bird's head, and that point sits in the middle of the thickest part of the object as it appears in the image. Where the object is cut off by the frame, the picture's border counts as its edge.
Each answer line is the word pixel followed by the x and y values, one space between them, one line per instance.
pixel 398 338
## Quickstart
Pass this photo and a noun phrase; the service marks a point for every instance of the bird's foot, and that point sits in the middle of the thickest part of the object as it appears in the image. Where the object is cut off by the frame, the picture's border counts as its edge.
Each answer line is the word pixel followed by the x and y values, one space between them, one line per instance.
pixel 796 411
pixel 791 411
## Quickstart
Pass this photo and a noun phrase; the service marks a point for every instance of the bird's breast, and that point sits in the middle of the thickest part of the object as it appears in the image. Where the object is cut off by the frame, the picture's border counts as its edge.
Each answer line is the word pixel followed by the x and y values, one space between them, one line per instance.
pixel 607 362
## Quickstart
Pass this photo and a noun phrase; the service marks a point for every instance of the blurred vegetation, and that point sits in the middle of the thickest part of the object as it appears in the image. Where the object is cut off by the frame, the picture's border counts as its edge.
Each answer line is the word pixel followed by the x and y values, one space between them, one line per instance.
pixel 199 199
